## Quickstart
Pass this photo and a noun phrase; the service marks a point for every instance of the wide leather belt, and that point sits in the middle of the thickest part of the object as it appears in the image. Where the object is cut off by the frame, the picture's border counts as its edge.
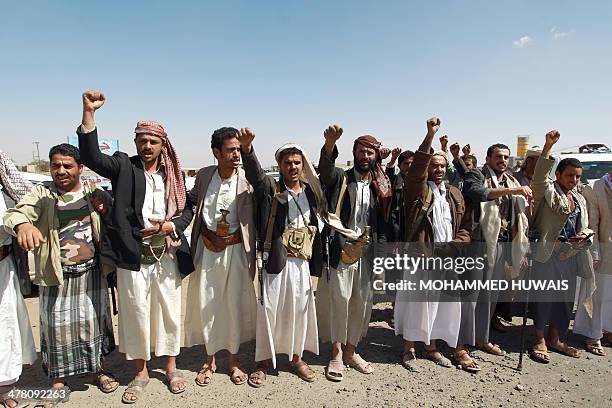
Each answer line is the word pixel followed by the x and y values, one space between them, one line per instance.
pixel 215 243
pixel 5 251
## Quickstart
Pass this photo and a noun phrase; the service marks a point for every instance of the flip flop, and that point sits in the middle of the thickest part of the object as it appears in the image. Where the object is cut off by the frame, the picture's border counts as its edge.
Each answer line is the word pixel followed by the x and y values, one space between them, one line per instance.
pixel 565 350
pixel 359 364
pixel 439 359
pixel 131 389
pixel 205 369
pixel 594 347
pixel 494 349
pixel 109 380
pixel 259 373
pixel 4 398
pixel 468 364
pixel 335 370
pixel 240 378
pixel 409 361
pixel 174 379
pixel 303 370
pixel 541 356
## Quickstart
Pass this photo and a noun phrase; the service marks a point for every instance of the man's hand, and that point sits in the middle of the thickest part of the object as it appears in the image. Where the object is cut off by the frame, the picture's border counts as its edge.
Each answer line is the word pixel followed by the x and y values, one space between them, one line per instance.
pixel 28 236
pixel 596 264
pixel 433 125
pixel 525 191
pixel 160 227
pixel 581 236
pixel 552 137
pixel 444 143
pixel 246 137
pixel 100 206
pixel 332 134
pixel 93 100
pixel 467 149
pixel 395 153
pixel 384 153
pixel 454 149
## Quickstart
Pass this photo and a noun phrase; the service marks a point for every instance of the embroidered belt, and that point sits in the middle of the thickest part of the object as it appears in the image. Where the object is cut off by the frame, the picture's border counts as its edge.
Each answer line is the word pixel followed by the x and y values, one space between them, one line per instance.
pixel 80 268
pixel 215 243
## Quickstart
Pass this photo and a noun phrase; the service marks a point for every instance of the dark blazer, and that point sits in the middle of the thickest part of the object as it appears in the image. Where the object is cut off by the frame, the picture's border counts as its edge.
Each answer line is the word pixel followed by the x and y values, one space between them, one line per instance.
pixel 396 222
pixel 121 244
pixel 331 178
pixel 265 190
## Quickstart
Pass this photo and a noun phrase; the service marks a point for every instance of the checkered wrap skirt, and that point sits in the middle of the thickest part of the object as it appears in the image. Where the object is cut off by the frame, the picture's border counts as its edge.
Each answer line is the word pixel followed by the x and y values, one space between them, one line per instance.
pixel 76 329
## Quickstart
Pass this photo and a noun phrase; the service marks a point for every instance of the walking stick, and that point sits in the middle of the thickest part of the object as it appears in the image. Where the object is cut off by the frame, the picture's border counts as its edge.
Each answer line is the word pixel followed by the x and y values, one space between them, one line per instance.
pixel 519 367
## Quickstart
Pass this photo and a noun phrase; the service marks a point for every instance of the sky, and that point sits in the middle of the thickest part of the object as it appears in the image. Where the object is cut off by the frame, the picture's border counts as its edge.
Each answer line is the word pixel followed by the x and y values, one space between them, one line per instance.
pixel 491 70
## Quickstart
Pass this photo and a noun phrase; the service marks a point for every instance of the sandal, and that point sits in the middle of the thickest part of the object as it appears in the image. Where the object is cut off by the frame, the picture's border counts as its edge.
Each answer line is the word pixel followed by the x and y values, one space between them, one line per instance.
pixel 259 373
pixel 206 368
pixel 135 388
pixel 18 403
pixel 493 349
pixel 594 346
pixel 174 380
pixel 437 357
pixel 409 361
pixel 303 370
pixel 540 355
pixel 335 370
pixel 467 363
pixel 238 376
pixel 359 364
pixel 102 384
pixel 566 350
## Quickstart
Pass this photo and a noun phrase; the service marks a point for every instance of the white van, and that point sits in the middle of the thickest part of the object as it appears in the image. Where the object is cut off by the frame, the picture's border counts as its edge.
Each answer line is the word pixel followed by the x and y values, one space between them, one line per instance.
pixel 596 159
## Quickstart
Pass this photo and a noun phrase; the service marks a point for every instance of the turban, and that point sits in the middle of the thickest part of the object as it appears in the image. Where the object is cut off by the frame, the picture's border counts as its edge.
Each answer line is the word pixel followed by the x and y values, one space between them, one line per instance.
pixel 379 177
pixel 175 184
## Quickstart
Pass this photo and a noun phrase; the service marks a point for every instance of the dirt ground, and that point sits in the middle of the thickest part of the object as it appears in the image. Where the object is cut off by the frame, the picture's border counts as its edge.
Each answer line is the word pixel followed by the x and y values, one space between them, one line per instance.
pixel 564 382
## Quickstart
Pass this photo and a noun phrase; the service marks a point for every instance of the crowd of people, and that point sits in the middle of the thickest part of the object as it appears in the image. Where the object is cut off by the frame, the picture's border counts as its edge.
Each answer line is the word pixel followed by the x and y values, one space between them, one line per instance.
pixel 256 243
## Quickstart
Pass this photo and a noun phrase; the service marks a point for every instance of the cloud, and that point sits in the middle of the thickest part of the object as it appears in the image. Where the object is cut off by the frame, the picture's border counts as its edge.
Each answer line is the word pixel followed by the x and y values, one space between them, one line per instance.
pixel 523 41
pixel 560 34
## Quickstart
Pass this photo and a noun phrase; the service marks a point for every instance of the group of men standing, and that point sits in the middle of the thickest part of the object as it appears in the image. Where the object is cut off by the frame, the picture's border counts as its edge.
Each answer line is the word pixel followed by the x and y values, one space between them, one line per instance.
pixel 256 242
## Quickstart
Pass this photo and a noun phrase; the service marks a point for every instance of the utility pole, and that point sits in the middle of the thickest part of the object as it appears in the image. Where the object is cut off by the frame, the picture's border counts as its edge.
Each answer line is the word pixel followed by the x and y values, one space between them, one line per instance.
pixel 37 155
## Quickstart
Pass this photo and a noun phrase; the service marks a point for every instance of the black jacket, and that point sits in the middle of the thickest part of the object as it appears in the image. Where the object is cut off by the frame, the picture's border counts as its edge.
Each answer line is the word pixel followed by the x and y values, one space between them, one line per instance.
pixel 121 244
pixel 396 223
pixel 265 189
pixel 331 178
pixel 19 255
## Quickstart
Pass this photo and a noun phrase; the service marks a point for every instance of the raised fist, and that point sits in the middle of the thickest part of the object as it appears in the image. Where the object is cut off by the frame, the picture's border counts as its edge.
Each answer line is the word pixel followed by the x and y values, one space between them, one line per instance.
pixel 433 124
pixel 454 149
pixel 333 133
pixel 552 137
pixel 395 153
pixel 245 137
pixel 444 142
pixel 93 100
pixel 384 152
pixel 467 149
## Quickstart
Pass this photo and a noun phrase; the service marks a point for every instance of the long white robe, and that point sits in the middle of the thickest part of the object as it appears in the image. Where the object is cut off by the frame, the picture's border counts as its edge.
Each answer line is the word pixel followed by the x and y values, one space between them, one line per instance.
pixel 430 320
pixel 287 321
pixel 221 311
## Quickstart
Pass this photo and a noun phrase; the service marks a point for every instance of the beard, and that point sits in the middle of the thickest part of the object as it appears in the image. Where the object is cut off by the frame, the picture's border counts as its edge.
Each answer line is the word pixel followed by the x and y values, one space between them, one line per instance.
pixel 364 167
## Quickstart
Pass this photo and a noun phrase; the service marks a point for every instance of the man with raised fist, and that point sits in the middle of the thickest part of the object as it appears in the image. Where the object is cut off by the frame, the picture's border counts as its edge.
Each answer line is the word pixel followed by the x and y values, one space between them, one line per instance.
pixel 498 203
pixel 290 238
pixel 145 242
pixel 221 311
pixel 361 198
pixel 561 222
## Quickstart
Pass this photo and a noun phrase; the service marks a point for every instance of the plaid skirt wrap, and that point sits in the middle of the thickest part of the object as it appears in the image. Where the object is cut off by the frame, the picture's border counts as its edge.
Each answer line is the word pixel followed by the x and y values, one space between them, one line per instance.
pixel 76 329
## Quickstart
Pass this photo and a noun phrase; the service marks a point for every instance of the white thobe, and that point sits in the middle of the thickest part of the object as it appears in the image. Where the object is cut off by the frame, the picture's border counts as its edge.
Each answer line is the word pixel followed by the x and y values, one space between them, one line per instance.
pixel 16 341
pixel 430 320
pixel 287 321
pixel 150 299
pixel 221 311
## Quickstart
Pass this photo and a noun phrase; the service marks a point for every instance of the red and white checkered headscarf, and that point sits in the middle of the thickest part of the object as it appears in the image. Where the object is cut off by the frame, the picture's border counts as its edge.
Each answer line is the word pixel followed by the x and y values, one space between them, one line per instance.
pixel 175 185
